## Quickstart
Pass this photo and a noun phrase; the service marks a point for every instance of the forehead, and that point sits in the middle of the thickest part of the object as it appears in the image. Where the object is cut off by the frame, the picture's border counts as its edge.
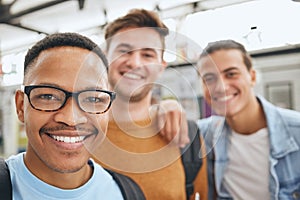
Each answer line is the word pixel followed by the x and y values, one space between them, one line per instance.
pixel 67 67
pixel 137 38
pixel 221 60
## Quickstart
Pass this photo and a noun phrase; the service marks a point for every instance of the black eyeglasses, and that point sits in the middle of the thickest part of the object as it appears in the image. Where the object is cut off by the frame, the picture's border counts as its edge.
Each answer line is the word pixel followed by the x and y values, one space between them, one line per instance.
pixel 50 98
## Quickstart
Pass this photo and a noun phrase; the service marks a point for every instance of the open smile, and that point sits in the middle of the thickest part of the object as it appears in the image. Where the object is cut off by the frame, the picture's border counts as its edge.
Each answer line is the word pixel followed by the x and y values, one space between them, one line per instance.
pixel 69 139
pixel 225 98
pixel 133 76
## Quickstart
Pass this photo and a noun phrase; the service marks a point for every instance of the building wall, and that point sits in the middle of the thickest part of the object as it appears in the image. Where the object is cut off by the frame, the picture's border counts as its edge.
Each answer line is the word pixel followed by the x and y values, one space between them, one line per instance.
pixel 276 73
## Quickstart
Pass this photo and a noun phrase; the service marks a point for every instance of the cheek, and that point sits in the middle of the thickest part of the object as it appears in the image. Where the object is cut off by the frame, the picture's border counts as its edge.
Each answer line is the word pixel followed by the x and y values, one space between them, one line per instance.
pixel 113 69
pixel 207 91
pixel 102 122
pixel 33 124
pixel 111 58
pixel 243 83
pixel 154 71
pixel 34 119
pixel 115 60
pixel 246 78
pixel 111 78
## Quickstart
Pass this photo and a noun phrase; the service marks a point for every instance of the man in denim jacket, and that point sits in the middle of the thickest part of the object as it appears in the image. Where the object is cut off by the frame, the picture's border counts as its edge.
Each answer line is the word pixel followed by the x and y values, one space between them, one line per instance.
pixel 252 145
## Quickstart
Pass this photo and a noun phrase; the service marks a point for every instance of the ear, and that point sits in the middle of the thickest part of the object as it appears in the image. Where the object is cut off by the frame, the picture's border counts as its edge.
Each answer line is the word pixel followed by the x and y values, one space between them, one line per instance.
pixel 253 77
pixel 19 102
pixel 163 66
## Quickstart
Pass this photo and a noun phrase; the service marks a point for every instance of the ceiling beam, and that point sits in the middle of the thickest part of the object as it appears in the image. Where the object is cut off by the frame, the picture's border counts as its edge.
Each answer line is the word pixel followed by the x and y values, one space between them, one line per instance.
pixel 8 18
pixel 29 29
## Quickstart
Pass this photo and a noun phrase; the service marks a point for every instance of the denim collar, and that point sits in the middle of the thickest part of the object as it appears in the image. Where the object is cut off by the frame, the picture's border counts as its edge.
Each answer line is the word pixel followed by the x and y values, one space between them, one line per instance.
pixel 281 142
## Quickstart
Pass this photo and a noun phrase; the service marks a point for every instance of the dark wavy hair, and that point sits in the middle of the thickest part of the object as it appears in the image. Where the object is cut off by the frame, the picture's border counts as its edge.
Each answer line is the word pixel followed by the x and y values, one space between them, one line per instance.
pixel 227 45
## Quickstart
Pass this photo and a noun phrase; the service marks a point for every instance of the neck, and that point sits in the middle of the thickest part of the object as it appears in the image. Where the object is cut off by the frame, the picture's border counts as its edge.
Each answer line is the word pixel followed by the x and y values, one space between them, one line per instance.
pixel 249 120
pixel 125 111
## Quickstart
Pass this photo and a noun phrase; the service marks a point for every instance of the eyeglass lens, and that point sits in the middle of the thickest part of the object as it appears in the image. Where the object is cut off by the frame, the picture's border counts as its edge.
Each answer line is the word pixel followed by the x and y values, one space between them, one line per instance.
pixel 50 99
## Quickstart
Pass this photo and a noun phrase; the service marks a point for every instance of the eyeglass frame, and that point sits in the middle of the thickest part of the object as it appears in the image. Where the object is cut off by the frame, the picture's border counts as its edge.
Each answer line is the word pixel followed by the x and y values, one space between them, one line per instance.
pixel 28 88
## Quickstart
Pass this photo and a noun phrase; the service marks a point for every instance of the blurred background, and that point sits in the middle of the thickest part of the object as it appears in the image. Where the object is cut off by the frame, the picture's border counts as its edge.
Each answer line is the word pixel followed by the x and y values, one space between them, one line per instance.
pixel 269 29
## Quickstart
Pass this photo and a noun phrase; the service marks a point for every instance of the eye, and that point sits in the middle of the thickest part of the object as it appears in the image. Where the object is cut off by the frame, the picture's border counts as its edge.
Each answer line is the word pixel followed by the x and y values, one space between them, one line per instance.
pixel 149 54
pixel 47 97
pixel 93 99
pixel 210 79
pixel 231 74
pixel 124 51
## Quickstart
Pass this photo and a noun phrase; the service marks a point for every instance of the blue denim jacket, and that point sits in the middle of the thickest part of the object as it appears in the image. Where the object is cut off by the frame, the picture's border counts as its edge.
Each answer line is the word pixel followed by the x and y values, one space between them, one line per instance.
pixel 284 135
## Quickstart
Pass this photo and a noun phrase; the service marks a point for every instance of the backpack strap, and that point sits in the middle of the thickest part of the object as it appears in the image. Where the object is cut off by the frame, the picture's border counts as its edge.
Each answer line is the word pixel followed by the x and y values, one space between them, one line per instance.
pixel 191 158
pixel 209 128
pixel 129 189
pixel 5 182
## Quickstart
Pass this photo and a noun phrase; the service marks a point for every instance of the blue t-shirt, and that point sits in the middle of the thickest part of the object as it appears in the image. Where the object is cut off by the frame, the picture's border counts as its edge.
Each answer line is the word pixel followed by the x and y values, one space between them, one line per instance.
pixel 27 186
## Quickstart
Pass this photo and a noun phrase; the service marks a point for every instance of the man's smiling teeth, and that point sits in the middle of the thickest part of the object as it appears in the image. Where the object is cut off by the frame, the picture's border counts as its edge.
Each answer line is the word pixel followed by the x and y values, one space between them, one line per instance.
pixel 132 76
pixel 225 98
pixel 68 139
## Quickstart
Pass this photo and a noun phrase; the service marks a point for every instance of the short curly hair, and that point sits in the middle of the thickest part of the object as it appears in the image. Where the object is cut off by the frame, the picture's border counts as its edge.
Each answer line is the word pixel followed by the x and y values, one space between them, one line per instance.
pixel 59 40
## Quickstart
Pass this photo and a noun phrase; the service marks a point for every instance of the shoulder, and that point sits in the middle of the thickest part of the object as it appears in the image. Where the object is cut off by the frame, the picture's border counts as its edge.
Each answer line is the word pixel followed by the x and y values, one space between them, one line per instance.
pixel 103 183
pixel 275 113
pixel 99 171
pixel 129 188
pixel 291 117
pixel 211 129
pixel 15 161
pixel 210 123
pixel 287 116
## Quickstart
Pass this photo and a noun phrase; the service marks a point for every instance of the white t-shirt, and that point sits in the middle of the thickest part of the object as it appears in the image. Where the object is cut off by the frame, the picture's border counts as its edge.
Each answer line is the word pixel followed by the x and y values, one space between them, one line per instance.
pixel 27 186
pixel 247 173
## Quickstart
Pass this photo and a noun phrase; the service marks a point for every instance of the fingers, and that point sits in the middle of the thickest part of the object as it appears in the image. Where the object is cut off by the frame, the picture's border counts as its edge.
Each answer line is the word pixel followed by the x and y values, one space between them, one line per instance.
pixel 172 122
pixel 184 131
pixel 161 119
pixel 172 127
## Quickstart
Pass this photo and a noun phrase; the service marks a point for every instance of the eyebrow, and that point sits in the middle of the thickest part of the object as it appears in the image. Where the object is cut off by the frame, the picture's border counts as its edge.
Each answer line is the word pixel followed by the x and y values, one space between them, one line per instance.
pixel 125 45
pixel 225 71
pixel 149 49
pixel 94 88
pixel 122 45
pixel 58 86
pixel 229 69
pixel 48 84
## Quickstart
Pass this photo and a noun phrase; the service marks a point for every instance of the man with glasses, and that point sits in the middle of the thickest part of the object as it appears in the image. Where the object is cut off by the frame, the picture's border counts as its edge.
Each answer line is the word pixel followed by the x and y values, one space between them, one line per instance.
pixel 63 105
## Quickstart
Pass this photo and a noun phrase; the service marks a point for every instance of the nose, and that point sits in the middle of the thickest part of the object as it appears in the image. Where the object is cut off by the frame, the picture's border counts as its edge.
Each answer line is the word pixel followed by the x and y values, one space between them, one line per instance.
pixel 221 85
pixel 134 59
pixel 70 114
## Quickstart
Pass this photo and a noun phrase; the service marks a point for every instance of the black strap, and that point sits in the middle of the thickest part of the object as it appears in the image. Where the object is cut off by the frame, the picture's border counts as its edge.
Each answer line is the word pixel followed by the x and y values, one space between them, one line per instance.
pixel 5 182
pixel 191 157
pixel 130 190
